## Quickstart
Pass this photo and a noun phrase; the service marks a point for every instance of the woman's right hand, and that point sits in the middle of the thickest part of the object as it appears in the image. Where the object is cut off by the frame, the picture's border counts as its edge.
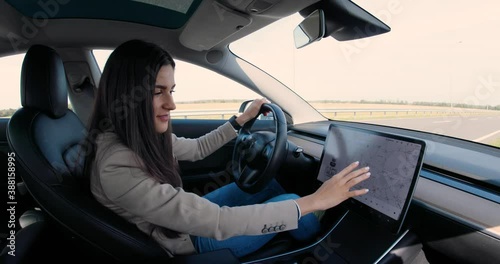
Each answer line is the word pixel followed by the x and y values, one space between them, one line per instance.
pixel 335 190
pixel 252 111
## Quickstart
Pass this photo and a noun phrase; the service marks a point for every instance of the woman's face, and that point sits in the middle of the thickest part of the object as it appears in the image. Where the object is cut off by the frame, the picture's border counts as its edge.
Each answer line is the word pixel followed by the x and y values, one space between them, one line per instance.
pixel 163 100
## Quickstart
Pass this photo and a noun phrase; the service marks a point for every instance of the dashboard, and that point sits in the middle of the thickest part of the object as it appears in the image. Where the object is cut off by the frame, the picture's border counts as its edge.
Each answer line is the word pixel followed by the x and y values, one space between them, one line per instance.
pixel 442 202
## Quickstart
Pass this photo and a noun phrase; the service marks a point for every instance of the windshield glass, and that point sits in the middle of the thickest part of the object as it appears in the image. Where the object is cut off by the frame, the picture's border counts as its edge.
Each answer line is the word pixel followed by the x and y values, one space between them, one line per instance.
pixel 436 71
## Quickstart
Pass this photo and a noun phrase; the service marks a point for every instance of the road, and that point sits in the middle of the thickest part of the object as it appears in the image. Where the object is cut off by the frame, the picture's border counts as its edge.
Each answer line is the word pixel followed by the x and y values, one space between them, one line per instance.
pixel 475 128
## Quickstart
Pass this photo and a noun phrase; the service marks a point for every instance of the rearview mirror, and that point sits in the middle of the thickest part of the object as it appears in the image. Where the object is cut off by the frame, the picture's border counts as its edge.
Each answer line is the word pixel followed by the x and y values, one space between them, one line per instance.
pixel 310 30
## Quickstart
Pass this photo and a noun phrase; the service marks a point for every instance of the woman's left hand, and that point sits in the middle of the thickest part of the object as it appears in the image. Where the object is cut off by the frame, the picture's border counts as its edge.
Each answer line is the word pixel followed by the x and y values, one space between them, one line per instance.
pixel 252 111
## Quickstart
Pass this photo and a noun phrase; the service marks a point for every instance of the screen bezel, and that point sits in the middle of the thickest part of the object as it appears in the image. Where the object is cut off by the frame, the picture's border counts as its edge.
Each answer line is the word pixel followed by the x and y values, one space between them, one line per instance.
pixel 394 226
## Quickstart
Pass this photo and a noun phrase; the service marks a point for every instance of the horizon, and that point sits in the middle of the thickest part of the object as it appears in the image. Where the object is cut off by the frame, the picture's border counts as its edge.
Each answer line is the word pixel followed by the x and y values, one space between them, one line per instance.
pixel 439 59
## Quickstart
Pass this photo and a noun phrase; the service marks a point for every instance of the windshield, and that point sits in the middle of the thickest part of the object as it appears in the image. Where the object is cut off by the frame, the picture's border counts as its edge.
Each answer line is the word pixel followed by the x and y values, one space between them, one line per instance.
pixel 436 71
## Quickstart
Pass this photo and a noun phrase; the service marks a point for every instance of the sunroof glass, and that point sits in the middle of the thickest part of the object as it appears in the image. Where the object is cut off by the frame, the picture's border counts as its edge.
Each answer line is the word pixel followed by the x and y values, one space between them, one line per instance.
pixel 170 14
pixel 181 6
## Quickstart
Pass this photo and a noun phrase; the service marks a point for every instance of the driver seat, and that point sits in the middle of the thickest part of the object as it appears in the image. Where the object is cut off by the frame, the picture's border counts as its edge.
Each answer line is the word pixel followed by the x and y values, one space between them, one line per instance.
pixel 45 137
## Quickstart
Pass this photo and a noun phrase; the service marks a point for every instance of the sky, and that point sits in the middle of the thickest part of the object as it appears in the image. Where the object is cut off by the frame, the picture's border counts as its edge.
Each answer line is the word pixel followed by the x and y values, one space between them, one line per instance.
pixel 437 51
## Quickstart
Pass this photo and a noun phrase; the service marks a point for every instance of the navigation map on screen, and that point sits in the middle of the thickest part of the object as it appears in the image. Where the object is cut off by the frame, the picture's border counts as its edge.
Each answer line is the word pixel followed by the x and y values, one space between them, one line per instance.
pixel 394 165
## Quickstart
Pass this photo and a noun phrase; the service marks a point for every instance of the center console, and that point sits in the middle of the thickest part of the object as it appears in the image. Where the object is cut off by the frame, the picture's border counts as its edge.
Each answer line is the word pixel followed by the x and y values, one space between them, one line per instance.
pixel 348 237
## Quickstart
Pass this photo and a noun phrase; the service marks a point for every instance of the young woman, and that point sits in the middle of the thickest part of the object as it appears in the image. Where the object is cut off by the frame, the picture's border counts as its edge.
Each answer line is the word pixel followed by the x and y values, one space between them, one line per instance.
pixel 132 160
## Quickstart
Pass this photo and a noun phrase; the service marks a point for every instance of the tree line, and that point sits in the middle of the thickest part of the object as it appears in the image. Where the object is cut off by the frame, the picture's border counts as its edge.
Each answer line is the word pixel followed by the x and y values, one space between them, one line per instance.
pixel 9 112
pixel 402 102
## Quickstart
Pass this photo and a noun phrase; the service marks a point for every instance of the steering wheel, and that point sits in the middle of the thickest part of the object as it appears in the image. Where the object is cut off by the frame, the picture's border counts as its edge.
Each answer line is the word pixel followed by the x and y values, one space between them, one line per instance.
pixel 257 156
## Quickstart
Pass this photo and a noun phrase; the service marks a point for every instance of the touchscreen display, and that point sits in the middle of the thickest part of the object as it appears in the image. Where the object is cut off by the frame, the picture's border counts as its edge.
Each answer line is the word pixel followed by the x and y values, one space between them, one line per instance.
pixel 394 165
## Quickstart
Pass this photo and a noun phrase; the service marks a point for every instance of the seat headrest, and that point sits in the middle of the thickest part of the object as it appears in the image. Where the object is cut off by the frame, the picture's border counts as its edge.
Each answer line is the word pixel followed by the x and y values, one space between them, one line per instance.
pixel 43 81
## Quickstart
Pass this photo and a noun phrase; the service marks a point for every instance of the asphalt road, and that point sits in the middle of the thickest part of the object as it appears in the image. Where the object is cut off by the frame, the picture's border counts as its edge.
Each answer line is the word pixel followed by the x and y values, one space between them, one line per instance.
pixel 475 128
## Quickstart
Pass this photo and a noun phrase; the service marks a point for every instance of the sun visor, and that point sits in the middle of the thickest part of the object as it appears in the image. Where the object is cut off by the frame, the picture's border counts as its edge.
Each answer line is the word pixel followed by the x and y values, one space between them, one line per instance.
pixel 211 24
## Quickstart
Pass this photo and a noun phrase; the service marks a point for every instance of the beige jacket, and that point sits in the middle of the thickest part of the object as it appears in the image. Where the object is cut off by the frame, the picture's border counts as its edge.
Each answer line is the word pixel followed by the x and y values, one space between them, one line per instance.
pixel 120 183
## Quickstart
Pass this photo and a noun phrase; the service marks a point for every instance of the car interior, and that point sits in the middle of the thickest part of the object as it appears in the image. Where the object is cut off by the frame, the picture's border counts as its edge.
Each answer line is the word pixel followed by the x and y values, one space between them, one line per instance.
pixel 453 212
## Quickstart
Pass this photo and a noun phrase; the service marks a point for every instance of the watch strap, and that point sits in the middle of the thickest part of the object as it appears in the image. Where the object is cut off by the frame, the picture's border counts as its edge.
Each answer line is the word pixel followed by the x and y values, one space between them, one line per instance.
pixel 233 122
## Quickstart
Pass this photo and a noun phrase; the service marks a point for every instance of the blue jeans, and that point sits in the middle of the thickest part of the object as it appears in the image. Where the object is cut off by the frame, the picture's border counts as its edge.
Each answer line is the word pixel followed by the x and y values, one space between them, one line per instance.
pixel 230 195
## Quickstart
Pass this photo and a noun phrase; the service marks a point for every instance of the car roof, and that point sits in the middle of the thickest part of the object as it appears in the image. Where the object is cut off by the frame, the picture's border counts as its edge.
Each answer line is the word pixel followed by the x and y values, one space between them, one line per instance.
pixel 206 25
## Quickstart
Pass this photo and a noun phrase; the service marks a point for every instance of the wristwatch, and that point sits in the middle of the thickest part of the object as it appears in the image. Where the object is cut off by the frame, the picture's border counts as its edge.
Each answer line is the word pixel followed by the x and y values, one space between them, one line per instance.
pixel 233 122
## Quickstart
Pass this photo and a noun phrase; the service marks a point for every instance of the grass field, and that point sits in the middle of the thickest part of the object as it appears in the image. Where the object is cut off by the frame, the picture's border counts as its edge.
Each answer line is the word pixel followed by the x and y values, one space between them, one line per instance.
pixel 495 143
pixel 343 113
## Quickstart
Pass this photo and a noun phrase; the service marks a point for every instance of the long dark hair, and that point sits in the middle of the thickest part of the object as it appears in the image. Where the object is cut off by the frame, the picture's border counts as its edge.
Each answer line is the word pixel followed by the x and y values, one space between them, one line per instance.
pixel 124 106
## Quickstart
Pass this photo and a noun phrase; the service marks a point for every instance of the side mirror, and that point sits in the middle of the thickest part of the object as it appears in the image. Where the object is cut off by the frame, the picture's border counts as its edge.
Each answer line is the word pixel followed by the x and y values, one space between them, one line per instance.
pixel 244 106
pixel 247 103
pixel 310 30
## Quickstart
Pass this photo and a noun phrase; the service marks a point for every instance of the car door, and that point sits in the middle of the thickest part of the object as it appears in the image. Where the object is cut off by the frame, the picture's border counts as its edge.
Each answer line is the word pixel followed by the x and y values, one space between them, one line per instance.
pixel 211 172
pixel 200 110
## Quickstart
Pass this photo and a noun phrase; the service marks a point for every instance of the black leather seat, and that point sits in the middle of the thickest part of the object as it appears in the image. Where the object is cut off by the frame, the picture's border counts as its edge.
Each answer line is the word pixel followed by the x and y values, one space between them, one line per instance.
pixel 45 136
